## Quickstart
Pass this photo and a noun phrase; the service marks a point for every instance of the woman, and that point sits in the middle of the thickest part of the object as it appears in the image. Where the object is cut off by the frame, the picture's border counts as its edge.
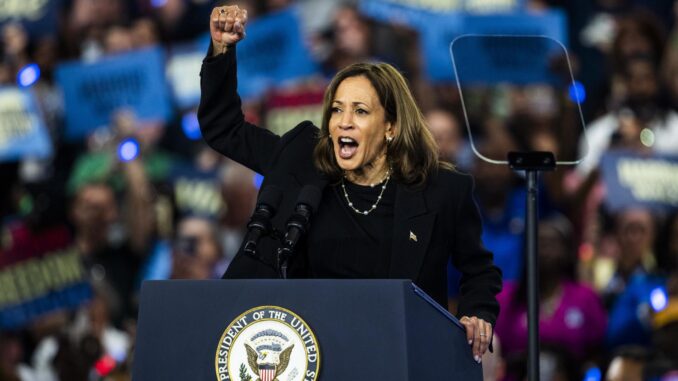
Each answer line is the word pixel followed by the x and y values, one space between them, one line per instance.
pixel 571 315
pixel 390 209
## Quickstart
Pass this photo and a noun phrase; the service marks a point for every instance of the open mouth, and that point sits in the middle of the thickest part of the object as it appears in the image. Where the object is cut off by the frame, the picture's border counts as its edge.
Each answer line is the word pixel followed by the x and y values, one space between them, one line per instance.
pixel 347 147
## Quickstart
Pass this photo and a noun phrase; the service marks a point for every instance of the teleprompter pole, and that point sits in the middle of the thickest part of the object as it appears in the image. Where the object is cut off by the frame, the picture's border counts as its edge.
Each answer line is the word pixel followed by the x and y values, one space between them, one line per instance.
pixel 532 163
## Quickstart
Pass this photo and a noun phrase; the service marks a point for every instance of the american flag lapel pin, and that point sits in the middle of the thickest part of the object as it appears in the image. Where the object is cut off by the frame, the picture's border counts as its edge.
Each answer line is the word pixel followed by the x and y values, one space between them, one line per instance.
pixel 413 237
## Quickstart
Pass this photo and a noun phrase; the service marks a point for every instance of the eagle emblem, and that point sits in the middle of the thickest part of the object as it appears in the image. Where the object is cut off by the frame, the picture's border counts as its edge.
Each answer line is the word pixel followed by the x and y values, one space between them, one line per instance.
pixel 267 343
pixel 267 358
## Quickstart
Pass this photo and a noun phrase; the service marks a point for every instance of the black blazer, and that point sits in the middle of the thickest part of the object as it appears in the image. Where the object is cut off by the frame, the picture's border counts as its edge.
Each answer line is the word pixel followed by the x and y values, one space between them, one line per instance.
pixel 442 214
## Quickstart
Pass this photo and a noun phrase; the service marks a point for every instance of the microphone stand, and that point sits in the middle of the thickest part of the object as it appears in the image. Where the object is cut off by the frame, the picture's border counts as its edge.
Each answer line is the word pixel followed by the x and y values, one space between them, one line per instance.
pixel 297 225
pixel 532 163
pixel 284 254
pixel 296 228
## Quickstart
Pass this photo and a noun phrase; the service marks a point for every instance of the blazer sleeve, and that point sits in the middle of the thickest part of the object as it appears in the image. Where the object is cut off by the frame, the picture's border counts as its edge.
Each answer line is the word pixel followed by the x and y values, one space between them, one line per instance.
pixel 481 280
pixel 222 122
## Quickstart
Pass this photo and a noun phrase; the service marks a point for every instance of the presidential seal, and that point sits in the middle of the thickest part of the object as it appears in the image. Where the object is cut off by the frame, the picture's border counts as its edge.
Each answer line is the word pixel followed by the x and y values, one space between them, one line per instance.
pixel 267 343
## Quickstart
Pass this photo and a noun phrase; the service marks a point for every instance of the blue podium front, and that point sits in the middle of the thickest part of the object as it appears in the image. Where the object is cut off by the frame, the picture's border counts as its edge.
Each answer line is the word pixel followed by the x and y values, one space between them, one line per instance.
pixel 297 330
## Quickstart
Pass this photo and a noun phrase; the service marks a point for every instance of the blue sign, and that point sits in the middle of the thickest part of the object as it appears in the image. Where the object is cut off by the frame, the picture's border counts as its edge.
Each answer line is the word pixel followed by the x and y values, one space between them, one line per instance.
pixel 22 130
pixel 183 73
pixel 269 57
pixel 94 91
pixel 441 30
pixel 415 13
pixel 196 193
pixel 639 180
pixel 396 13
pixel 39 17
pixel 40 285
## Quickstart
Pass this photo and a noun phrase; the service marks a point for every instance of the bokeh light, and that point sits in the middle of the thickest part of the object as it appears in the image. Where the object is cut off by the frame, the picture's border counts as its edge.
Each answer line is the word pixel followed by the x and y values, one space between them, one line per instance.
pixel 593 374
pixel 577 92
pixel 190 126
pixel 658 299
pixel 28 75
pixel 128 149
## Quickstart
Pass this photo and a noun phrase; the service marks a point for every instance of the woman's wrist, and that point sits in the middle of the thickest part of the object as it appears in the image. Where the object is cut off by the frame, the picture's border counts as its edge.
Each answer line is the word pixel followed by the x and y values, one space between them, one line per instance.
pixel 218 48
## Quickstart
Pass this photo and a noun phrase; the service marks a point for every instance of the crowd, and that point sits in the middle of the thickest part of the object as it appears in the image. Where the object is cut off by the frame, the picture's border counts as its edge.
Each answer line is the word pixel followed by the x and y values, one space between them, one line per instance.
pixel 178 210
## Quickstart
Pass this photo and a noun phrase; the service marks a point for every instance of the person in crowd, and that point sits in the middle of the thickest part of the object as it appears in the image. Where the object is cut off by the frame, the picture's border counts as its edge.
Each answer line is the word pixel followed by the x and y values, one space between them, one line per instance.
pixel 85 345
pixel 118 39
pixel 390 208
pixel 557 364
pixel 501 201
pixel 635 234
pixel 12 367
pixel 240 196
pixel 628 363
pixel 572 316
pixel 637 33
pixel 643 105
pixel 196 249
pixel 351 41
pixel 447 132
pixel 15 41
pixel 628 294
pixel 106 254
pixel 145 33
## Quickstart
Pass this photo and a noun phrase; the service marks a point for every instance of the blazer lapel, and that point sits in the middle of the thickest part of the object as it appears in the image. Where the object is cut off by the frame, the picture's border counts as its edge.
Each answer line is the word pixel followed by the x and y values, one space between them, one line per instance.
pixel 412 228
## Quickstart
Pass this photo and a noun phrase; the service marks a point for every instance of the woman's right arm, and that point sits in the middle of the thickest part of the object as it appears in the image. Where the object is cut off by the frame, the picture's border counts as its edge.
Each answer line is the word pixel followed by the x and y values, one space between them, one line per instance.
pixel 220 115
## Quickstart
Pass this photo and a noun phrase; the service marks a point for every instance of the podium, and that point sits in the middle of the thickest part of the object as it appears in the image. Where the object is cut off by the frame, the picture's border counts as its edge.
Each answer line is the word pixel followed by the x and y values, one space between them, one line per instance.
pixel 363 330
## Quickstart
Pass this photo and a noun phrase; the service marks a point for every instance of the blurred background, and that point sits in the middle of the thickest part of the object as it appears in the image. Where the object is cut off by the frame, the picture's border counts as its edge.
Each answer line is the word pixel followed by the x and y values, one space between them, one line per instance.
pixel 105 181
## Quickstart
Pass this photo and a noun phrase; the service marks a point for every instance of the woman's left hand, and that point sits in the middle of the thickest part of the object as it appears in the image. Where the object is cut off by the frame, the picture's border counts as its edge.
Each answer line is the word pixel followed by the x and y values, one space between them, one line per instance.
pixel 478 334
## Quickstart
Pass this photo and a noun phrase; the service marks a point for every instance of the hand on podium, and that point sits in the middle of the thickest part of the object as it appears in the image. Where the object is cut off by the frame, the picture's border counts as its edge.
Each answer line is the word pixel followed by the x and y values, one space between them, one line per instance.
pixel 478 334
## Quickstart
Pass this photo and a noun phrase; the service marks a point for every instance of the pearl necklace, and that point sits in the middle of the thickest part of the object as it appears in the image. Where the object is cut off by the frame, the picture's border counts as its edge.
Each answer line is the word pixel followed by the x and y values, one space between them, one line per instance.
pixel 374 206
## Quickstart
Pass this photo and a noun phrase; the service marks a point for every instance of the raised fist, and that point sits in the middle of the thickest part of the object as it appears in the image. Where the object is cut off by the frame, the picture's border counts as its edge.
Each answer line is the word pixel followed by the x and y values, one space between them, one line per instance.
pixel 227 26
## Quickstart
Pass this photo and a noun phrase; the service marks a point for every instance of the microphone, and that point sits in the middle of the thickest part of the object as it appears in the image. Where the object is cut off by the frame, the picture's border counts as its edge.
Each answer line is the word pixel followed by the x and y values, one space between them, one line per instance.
pixel 297 225
pixel 260 222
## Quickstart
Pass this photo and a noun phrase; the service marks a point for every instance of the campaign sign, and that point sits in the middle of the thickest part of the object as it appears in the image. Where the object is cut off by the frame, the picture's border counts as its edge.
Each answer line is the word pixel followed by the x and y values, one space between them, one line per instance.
pixel 39 17
pixel 40 273
pixel 440 30
pixel 22 130
pixel 640 180
pixel 93 91
pixel 396 12
pixel 196 193
pixel 183 73
pixel 269 56
pixel 416 13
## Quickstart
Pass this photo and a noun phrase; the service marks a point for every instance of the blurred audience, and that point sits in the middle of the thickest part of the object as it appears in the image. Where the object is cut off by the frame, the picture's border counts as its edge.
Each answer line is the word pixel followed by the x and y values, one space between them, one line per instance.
pixel 641 119
pixel 608 278
pixel 196 249
pixel 628 364
pixel 571 316
pixel 448 133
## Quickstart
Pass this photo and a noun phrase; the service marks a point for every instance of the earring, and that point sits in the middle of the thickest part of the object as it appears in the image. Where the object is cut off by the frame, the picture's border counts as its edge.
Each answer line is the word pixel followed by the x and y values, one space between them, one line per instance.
pixel 389 139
